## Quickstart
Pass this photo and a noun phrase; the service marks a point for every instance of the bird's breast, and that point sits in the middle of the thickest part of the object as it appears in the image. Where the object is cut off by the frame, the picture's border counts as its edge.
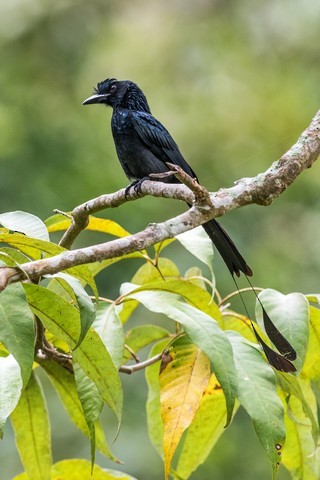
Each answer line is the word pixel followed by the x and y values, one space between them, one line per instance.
pixel 121 122
pixel 127 143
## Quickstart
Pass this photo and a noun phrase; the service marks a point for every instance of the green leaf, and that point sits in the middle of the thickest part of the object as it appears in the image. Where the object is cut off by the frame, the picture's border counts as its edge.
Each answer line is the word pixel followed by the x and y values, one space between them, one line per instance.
pixel 32 431
pixel 86 307
pixel 299 455
pixel 257 394
pixel 205 429
pixel 62 320
pixel 290 314
pixel 64 383
pixel 141 336
pixel 57 219
pixel 16 256
pixel 239 323
pixel 25 223
pixel 197 242
pixel 291 385
pixel 10 388
pixel 34 248
pixel 91 402
pixel 194 275
pixel 95 361
pixel 17 327
pixel 147 273
pixel 6 259
pixel 153 405
pixel 109 327
pixel 59 316
pixel 193 294
pixel 204 332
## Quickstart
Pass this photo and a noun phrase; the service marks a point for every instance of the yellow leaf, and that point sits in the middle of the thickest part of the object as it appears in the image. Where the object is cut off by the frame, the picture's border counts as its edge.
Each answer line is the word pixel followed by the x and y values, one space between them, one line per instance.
pixel 106 226
pixel 95 224
pixel 182 383
pixel 311 368
pixel 77 468
pixel 207 427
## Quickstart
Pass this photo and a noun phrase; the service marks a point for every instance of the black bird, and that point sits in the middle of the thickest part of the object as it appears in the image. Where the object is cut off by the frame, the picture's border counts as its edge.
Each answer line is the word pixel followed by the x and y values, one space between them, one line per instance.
pixel 144 146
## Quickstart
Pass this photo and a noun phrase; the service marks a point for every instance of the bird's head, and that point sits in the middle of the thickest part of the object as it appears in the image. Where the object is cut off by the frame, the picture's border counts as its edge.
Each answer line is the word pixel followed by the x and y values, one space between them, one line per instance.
pixel 119 94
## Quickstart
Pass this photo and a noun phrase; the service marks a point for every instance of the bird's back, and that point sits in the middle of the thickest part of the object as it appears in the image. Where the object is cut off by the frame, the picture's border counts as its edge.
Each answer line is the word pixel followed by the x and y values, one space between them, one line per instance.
pixel 144 145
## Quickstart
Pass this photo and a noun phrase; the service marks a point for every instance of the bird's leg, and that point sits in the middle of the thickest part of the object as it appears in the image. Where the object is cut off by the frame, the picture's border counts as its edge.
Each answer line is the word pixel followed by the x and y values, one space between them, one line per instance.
pixel 136 185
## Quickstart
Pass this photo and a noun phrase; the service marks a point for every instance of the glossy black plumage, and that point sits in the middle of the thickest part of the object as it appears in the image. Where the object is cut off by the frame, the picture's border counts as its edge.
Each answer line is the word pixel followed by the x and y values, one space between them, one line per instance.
pixel 144 146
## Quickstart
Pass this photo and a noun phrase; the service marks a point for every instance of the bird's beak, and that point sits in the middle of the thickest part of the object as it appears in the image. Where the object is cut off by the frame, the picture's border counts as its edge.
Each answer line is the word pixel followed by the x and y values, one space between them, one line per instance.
pixel 96 98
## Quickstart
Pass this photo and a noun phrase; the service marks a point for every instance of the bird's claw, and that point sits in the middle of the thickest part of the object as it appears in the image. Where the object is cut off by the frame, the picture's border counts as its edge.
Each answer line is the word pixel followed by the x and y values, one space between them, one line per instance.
pixel 136 185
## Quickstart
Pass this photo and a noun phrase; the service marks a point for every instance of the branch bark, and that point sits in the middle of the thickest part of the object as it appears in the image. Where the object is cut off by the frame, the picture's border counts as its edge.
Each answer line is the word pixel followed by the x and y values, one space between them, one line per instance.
pixel 261 190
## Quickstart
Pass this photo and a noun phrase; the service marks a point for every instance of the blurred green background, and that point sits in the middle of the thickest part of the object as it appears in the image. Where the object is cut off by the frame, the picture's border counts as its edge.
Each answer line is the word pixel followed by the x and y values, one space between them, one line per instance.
pixel 234 81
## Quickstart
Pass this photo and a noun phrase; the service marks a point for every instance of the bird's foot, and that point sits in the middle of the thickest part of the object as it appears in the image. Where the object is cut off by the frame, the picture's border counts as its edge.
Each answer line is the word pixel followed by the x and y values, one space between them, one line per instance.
pixel 136 185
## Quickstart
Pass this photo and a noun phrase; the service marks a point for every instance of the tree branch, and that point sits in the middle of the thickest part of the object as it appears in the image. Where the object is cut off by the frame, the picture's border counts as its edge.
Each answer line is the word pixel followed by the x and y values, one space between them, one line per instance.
pixel 261 190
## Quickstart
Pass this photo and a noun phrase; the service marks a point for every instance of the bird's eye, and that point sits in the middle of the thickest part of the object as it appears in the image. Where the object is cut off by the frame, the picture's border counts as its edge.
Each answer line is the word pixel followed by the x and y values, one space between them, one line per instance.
pixel 113 88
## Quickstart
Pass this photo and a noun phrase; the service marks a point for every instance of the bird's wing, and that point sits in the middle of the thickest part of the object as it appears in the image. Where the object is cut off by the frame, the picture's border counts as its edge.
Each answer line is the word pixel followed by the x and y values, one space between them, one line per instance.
pixel 157 138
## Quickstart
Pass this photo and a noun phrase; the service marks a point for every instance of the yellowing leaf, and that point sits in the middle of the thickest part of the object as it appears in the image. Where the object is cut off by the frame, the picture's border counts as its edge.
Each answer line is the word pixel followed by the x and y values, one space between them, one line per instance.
pixel 205 430
pixel 311 368
pixel 79 469
pixel 56 223
pixel 182 383
pixel 106 226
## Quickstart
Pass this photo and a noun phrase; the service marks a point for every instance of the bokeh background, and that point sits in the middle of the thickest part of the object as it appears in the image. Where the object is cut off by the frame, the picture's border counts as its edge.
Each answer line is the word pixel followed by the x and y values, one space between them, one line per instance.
pixel 235 82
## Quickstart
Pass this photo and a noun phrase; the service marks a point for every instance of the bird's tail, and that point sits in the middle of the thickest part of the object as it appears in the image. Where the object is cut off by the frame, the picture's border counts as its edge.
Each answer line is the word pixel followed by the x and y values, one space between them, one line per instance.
pixel 227 249
pixel 237 264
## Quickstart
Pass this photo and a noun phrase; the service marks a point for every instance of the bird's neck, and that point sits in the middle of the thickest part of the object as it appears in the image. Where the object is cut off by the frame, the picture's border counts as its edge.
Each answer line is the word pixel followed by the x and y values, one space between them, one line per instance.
pixel 133 101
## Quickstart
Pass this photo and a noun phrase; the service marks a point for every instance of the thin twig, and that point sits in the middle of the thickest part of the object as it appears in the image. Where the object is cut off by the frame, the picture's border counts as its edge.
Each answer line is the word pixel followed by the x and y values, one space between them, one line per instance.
pixel 129 369
pixel 237 292
pixel 201 194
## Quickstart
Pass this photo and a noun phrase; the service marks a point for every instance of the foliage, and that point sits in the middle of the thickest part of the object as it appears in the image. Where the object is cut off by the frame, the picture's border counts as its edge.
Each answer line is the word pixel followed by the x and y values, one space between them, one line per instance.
pixel 210 362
